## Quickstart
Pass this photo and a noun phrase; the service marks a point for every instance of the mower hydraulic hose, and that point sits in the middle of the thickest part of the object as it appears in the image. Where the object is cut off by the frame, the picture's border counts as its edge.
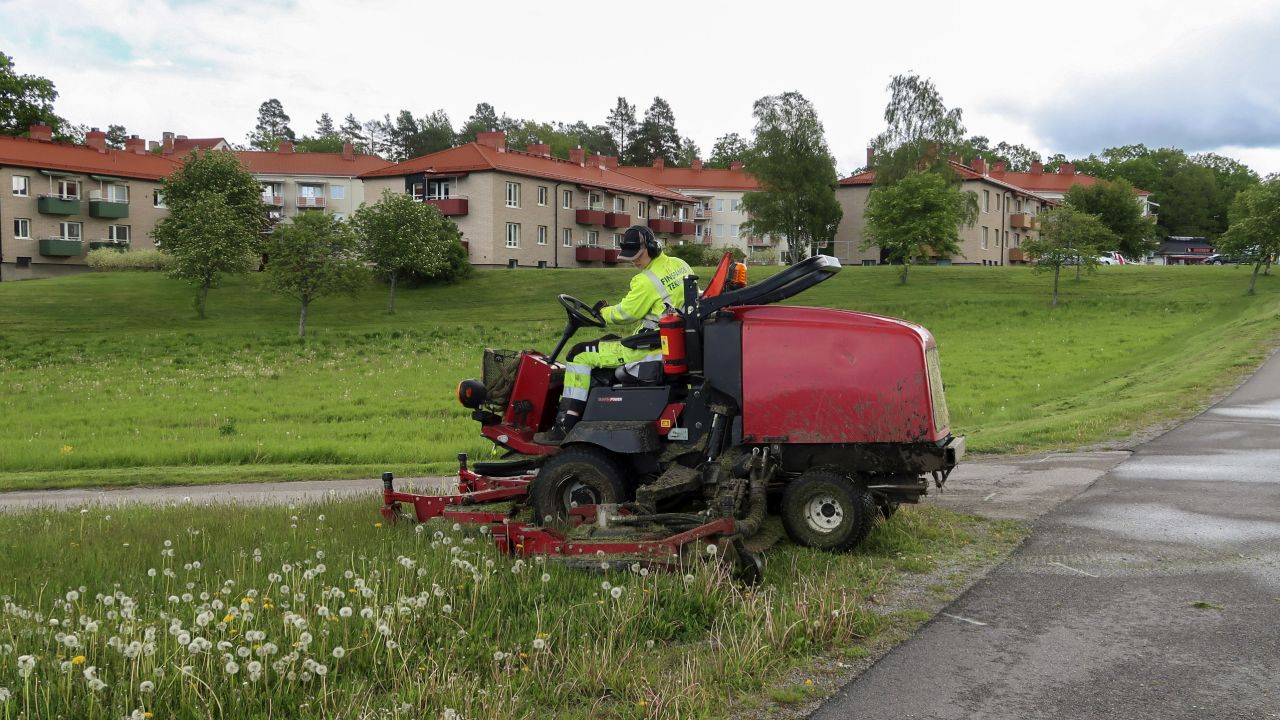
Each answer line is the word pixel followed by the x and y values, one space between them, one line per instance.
pixel 762 470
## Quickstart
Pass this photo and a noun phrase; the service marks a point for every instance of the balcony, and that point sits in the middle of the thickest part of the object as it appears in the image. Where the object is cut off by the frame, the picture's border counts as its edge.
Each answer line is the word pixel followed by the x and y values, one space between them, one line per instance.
pixel 58 205
pixel 108 209
pixel 450 206
pixel 617 220
pixel 590 216
pixel 611 256
pixel 118 245
pixel 590 253
pixel 1020 221
pixel 273 200
pixel 702 213
pixel 307 201
pixel 61 247
pixel 662 225
pixel 685 228
pixel 1016 256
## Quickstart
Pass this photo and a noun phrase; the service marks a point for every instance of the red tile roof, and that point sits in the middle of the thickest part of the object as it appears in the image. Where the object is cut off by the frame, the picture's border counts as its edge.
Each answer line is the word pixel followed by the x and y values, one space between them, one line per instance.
pixel 308 163
pixel 868 177
pixel 700 179
pixel 473 157
pixel 38 154
pixel 1050 182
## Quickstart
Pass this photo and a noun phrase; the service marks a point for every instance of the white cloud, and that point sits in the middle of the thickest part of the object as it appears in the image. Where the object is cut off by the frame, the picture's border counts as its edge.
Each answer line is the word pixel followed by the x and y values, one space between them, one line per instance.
pixel 202 69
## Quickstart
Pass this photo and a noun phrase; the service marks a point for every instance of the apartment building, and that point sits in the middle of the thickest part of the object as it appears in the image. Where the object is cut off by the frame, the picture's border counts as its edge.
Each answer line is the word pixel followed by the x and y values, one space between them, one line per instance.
pixel 1054 185
pixel 525 208
pixel 718 214
pixel 58 201
pixel 294 182
pixel 1007 216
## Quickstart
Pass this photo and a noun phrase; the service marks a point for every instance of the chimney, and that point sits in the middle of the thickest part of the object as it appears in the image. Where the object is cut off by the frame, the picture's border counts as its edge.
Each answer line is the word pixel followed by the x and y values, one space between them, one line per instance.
pixel 999 167
pixel 577 155
pixel 1067 169
pixel 167 140
pixel 611 162
pixel 979 165
pixel 596 160
pixel 954 158
pixel 136 145
pixel 496 140
pixel 1037 168
pixel 180 137
pixel 96 139
pixel 348 151
pixel 285 147
pixel 153 145
pixel 539 149
pixel 41 132
pixel 871 157
pixel 735 165
pixel 659 163
pixel 696 164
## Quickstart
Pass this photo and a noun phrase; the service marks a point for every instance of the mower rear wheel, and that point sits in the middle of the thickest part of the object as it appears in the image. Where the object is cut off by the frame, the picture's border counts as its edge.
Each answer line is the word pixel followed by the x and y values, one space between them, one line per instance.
pixel 824 509
pixel 573 477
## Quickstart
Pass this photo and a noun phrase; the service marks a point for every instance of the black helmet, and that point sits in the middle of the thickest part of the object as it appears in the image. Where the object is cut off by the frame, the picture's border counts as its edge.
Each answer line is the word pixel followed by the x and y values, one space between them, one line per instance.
pixel 636 237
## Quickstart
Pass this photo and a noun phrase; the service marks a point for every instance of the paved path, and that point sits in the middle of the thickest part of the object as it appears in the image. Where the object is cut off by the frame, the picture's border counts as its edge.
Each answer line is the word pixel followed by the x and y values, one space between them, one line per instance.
pixel 1096 615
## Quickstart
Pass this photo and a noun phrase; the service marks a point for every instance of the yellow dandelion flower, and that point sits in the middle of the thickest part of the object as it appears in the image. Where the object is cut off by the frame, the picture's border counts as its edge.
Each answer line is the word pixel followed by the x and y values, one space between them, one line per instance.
pixel 808 681
pixel 78 660
pixel 229 618
pixel 67 449
pixel 246 600
pixel 147 714
pixel 377 525
pixel 642 703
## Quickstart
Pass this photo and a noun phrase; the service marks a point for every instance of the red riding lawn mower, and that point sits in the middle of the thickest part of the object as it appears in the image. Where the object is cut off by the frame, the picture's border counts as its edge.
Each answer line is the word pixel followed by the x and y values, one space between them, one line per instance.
pixel 827 418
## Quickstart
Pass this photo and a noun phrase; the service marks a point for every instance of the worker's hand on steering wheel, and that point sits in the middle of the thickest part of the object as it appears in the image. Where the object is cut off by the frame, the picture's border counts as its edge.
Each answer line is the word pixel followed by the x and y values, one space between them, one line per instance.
pixel 599 306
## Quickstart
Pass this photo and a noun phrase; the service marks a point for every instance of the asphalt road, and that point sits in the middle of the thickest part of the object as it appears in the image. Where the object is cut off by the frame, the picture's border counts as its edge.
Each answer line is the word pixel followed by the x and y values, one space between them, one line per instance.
pixel 1155 593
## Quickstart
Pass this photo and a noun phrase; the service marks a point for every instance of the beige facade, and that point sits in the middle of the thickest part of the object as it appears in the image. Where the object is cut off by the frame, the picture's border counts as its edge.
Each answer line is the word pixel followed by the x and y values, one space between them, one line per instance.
pixel 51 219
pixel 286 195
pixel 540 227
pixel 1006 218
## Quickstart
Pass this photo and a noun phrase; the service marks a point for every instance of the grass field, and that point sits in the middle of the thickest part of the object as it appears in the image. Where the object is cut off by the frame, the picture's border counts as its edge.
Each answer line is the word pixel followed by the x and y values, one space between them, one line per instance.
pixel 110 380
pixel 312 611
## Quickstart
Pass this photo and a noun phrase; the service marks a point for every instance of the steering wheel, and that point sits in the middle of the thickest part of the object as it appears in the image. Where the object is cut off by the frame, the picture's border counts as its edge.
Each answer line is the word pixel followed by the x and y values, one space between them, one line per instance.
pixel 580 313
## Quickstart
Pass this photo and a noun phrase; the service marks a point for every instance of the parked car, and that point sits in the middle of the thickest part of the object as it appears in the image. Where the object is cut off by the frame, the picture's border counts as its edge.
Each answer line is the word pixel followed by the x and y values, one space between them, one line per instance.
pixel 1113 258
pixel 1224 259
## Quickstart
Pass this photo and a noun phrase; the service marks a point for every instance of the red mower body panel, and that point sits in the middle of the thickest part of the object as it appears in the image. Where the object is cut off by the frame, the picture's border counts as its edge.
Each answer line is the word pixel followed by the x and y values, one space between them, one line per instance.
pixel 818 375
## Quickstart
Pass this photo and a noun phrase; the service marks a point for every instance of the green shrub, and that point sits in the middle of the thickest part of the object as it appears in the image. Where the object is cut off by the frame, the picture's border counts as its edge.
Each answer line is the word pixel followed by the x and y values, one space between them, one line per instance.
pixel 693 254
pixel 109 260
pixel 457 267
pixel 736 252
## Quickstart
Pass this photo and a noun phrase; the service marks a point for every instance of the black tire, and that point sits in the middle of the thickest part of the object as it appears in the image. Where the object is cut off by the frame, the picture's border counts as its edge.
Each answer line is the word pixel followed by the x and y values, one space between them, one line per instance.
pixel 581 475
pixel 887 508
pixel 826 510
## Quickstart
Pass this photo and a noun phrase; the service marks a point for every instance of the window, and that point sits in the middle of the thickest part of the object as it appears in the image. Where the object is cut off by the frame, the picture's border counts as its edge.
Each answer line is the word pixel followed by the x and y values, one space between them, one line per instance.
pixel 986 202
pixel 984 236
pixel 339 216
pixel 69 230
pixel 542 234
pixel 733 231
pixel 117 193
pixel 513 197
pixel 21 229
pixel 271 193
pixel 619 204
pixel 642 209
pixel 567 237
pixel 997 203
pixel 682 213
pixel 439 189
pixel 542 195
pixel 697 232
pixel 24 262
pixel 735 204
pixel 118 233
pixel 1017 240
pixel 21 185
pixel 593 201
pixel 662 210
pixel 68 189
pixel 157 200
pixel 593 238
pixel 566 201
pixel 719 204
pixel 719 230
pixel 617 240
pixel 338 192
pixel 418 191
pixel 513 232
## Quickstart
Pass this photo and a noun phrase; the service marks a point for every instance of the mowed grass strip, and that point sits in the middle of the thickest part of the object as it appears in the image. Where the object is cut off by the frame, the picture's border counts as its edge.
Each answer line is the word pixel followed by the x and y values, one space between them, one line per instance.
pixel 315 611
pixel 108 379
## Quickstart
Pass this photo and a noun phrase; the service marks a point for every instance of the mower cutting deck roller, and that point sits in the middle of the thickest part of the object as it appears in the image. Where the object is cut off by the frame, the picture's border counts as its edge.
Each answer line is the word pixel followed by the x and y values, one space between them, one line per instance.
pixel 832 418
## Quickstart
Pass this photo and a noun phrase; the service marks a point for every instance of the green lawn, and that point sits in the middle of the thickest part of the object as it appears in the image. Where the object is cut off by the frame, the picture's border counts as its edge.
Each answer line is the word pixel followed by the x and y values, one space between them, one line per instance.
pixel 108 379
pixel 315 611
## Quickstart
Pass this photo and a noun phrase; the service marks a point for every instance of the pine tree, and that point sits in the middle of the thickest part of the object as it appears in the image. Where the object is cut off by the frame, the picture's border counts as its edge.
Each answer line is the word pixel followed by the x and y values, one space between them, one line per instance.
pixel 272 128
pixel 324 126
pixel 622 123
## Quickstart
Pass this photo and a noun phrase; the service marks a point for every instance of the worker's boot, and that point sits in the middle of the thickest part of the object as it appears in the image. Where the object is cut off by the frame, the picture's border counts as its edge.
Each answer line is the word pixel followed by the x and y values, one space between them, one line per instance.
pixel 568 415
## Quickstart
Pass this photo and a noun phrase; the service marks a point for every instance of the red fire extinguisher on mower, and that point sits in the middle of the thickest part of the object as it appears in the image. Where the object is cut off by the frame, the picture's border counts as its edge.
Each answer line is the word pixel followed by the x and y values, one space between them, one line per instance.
pixel 671 332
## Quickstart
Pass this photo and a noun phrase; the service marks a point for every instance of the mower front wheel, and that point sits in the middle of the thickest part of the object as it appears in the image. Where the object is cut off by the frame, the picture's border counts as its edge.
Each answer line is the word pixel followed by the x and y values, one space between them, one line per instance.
pixel 826 510
pixel 573 477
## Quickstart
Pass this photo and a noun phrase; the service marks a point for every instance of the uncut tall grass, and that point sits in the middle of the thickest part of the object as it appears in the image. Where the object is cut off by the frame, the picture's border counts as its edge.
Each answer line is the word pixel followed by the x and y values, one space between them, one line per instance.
pixel 108 378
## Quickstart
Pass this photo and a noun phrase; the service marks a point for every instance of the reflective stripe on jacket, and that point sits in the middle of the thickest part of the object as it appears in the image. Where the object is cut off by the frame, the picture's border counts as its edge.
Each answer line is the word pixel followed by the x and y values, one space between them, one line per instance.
pixel 659 285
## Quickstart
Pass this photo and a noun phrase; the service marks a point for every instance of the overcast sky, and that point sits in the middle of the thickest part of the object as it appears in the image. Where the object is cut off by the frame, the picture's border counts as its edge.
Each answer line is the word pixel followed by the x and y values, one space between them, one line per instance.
pixel 1068 77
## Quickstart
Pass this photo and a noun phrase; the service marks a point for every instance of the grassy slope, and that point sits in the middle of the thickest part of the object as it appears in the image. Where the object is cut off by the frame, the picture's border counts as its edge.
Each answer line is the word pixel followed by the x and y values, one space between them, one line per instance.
pixel 109 379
